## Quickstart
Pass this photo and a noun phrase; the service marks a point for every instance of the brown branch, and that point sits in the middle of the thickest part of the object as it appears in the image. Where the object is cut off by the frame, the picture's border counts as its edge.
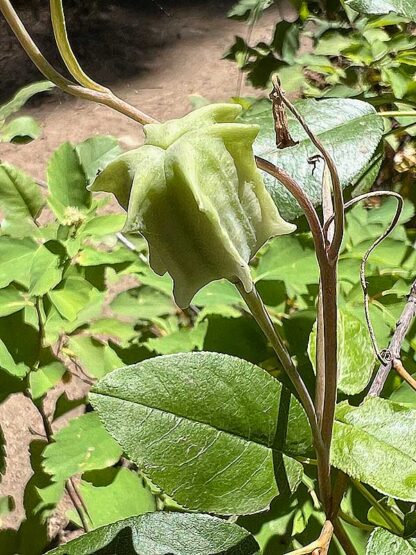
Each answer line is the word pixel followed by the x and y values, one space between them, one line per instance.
pixel 392 353
pixel 403 373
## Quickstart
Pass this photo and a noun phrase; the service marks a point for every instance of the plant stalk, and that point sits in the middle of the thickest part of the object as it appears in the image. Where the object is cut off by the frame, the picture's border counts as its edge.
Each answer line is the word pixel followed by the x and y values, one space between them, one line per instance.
pixel 262 317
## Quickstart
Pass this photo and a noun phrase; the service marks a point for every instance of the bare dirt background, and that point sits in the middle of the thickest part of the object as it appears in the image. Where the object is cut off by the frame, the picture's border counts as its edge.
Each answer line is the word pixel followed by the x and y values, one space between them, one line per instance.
pixel 154 57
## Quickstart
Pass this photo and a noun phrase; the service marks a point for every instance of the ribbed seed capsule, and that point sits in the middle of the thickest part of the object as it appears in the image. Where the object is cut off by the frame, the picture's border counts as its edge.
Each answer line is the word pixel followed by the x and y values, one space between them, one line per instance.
pixel 194 192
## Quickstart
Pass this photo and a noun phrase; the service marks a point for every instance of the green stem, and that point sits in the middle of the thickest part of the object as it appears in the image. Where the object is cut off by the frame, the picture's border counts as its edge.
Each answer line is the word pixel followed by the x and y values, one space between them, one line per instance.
pixel 398 113
pixel 377 506
pixel 262 317
pixel 355 522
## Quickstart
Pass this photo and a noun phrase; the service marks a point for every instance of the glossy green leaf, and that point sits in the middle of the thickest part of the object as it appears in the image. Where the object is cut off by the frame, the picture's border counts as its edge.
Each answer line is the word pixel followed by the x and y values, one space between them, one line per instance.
pixel 143 303
pixel 356 356
pixel 203 427
pixel 71 296
pixel 15 260
pixel 96 153
pixel 245 9
pixel 104 225
pixel 349 129
pixel 7 363
pixel 406 8
pixel 164 533
pixel 20 130
pixel 22 96
pixel 291 260
pixel 20 196
pixel 45 271
pixel 67 181
pixel 46 378
pixel 383 542
pixel 374 443
pixel 113 494
pixel 82 445
pixel 12 300
pixel 96 357
pixel 181 340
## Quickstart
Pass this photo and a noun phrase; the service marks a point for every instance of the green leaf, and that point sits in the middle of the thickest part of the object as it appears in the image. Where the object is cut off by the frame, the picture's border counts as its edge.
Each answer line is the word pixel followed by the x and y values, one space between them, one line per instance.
pixel 71 296
pixel 12 300
pixel 96 153
pixel 383 542
pixel 7 363
pixel 350 130
pixel 113 494
pixel 45 271
pixel 356 356
pixel 164 533
pixel 291 260
pixel 82 445
pixel 15 260
pixel 46 378
pixel 181 340
pixel 22 96
pixel 143 303
pixel 7 505
pixel 374 443
pixel 20 130
pixel 104 225
pixel 67 181
pixel 247 9
pixel 404 395
pixel 20 197
pixel 407 8
pixel 203 426
pixel 95 357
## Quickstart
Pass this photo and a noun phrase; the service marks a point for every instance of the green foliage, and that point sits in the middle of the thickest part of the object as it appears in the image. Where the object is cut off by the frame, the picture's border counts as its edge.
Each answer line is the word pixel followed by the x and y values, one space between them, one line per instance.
pixel 383 542
pixel 215 421
pixel 372 443
pixel 165 534
pixel 406 8
pixel 22 129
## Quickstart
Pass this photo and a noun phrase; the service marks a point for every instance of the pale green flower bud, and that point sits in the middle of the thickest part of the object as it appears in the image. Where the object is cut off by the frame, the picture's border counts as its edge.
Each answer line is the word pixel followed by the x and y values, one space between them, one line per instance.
pixel 194 192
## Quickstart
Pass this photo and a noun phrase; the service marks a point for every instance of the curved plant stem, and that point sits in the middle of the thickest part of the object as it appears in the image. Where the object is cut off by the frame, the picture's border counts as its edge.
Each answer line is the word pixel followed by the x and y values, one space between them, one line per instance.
pixel 64 47
pixel 105 97
pixel 262 317
pixel 403 373
pixel 398 113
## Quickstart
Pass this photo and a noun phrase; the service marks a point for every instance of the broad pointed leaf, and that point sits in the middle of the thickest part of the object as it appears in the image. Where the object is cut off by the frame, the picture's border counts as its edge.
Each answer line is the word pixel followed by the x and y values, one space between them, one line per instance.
pixel 113 494
pixel 20 196
pixel 383 542
pixel 204 427
pixel 12 300
pixel 15 260
pixel 407 8
pixel 45 271
pixel 67 181
pixel 82 445
pixel 96 153
pixel 350 130
pixel 164 533
pixel 22 96
pixel 374 443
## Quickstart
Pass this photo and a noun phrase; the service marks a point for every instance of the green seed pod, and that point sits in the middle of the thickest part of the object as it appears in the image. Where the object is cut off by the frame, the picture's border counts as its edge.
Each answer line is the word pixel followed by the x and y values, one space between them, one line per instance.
pixel 194 192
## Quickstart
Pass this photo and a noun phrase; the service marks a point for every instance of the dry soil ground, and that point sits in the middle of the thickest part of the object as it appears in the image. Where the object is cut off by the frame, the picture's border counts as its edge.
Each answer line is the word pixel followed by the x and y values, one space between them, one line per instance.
pixel 155 59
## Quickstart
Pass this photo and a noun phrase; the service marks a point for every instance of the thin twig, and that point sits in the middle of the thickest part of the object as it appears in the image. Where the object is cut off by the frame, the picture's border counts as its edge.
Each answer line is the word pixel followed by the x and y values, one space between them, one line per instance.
pixel 367 254
pixel 106 98
pixel 393 351
pixel 403 373
pixel 319 546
